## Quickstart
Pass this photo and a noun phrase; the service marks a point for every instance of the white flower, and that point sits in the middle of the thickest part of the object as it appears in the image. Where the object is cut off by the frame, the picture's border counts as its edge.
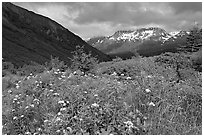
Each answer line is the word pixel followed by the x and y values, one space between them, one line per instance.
pixel 59 78
pixel 114 74
pixel 17 86
pixel 61 102
pixel 27 133
pixel 95 105
pixel 56 94
pixel 128 78
pixel 22 115
pixel 58 119
pixel 129 124
pixel 74 72
pixel 58 131
pixel 151 104
pixel 32 105
pixel 147 90
pixel 122 74
pixel 26 107
pixel 149 76
pixel 14 118
pixel 62 109
pixel 96 95
pixel 51 90
pixel 59 113
pixel 10 91
pixel 36 100
pixel 46 121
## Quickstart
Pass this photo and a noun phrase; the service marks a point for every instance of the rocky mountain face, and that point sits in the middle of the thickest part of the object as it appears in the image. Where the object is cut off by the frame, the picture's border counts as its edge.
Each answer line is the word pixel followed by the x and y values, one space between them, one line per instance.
pixel 145 41
pixel 27 37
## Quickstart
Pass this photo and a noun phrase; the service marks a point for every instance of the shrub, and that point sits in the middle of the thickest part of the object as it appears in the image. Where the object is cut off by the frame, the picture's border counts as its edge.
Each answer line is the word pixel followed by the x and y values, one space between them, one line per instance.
pixel 8 68
pixel 55 63
pixel 83 61
pixel 194 40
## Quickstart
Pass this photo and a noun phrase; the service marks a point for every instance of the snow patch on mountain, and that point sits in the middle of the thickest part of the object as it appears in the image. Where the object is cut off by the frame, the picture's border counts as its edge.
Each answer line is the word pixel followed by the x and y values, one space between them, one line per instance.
pixel 143 34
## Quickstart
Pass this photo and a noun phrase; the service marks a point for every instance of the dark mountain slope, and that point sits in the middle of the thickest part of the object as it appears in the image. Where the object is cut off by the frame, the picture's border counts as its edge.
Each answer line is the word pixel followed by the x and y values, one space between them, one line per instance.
pixel 27 37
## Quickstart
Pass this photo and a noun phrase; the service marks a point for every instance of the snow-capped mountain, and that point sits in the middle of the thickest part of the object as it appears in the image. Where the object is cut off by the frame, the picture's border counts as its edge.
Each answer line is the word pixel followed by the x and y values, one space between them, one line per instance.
pixel 141 35
pixel 129 40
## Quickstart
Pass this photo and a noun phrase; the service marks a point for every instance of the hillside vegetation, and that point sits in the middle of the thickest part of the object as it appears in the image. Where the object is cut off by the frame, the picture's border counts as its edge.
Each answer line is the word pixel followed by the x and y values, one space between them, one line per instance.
pixel 139 96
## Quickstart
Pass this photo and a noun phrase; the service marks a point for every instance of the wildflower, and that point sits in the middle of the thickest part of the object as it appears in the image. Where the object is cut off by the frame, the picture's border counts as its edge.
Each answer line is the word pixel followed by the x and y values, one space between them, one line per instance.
pixel 46 121
pixel 151 104
pixel 55 72
pixel 95 105
pixel 22 115
pixel 62 109
pixel 26 107
pixel 70 129
pixel 128 78
pixel 85 91
pixel 74 72
pixel 61 102
pixel 114 74
pixel 59 78
pixel 122 74
pixel 58 131
pixel 27 133
pixel 96 95
pixel 129 124
pixel 17 86
pixel 51 90
pixel 36 100
pixel 10 91
pixel 32 105
pixel 149 76
pixel 15 99
pixel 56 94
pixel 58 119
pixel 59 113
pixel 147 90
pixel 14 118
pixel 80 119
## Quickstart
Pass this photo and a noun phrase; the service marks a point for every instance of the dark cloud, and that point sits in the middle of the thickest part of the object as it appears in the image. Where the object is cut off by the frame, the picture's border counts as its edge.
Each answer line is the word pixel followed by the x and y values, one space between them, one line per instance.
pixel 88 19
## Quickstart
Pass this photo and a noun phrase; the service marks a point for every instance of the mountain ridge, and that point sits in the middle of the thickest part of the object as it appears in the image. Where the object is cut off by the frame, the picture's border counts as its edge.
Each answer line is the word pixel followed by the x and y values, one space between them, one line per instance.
pixel 139 39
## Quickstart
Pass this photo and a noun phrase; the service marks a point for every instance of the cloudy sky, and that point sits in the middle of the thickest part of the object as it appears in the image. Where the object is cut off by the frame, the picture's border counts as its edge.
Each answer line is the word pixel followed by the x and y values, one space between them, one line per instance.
pixel 101 18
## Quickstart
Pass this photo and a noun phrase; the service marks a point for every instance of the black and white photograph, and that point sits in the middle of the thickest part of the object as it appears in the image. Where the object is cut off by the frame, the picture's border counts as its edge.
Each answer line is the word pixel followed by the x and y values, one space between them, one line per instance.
pixel 101 68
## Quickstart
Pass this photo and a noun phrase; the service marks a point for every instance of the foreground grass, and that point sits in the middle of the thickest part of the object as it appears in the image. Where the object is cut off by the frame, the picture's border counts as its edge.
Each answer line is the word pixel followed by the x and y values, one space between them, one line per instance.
pixel 132 97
